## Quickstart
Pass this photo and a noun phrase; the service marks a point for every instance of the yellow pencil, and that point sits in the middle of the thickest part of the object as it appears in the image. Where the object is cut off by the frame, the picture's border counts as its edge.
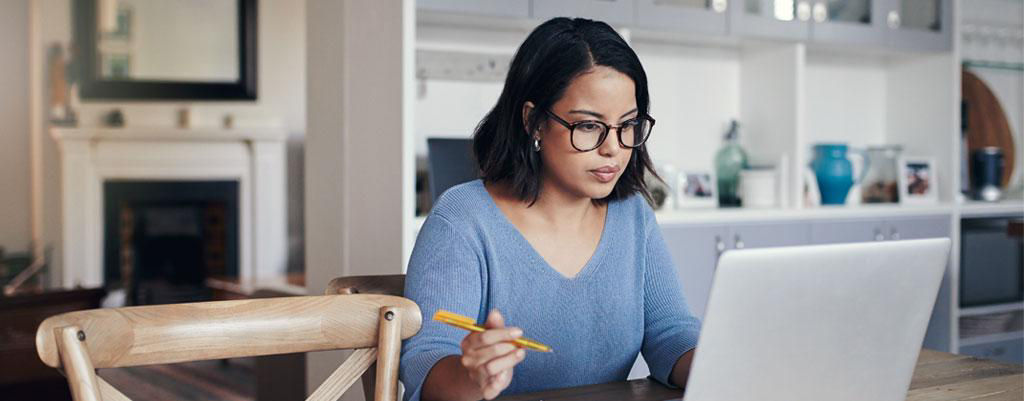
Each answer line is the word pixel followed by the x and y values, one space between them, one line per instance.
pixel 467 323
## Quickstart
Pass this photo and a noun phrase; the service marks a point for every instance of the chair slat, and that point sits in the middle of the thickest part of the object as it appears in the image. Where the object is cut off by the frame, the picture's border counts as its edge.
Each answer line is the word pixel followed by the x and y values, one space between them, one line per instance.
pixel 77 366
pixel 390 348
pixel 159 334
pixel 343 377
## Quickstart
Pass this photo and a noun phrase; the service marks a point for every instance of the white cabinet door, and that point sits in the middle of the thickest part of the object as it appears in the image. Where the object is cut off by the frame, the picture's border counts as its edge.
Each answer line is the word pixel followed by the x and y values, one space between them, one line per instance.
pixel 846 231
pixel 690 16
pixel 494 8
pixel 614 12
pixel 772 19
pixel 695 251
pixel 855 22
pixel 923 25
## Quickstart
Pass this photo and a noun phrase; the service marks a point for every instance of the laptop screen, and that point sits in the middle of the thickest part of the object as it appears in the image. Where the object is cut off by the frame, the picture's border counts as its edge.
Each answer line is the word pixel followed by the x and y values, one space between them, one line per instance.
pixel 450 162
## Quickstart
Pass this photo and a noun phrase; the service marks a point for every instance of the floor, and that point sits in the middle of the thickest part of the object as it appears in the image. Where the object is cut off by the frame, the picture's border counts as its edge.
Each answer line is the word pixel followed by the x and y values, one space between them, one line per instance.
pixel 229 380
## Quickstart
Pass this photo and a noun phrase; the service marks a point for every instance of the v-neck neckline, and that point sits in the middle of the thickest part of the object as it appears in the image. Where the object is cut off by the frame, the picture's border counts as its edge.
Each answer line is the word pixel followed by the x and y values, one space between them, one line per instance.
pixel 526 246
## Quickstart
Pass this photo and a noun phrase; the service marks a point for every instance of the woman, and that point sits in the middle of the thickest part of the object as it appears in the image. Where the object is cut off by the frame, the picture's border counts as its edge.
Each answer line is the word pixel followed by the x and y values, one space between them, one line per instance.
pixel 556 238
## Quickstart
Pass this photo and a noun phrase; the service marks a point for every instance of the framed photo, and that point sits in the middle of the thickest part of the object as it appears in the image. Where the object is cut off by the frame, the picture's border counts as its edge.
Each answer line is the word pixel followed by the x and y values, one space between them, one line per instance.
pixel 696 189
pixel 918 182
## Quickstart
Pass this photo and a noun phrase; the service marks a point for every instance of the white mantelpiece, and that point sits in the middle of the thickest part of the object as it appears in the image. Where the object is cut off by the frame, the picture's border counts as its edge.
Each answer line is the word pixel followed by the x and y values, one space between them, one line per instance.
pixel 255 157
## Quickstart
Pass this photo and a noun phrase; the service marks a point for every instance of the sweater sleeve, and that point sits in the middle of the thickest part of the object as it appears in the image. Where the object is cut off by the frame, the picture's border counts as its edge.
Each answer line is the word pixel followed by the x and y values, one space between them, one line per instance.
pixel 670 329
pixel 444 273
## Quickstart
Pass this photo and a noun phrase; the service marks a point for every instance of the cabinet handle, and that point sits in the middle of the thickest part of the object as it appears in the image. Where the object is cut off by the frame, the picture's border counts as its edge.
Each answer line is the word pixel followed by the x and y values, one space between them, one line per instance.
pixel 739 242
pixel 878 235
pixel 894 234
pixel 719 6
pixel 820 12
pixel 719 245
pixel 803 11
pixel 894 19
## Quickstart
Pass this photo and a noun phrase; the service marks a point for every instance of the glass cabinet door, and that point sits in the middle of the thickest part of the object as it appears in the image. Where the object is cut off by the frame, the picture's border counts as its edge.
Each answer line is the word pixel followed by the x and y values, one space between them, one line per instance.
pixel 776 19
pixel 615 12
pixel 692 16
pixel 919 24
pixel 848 22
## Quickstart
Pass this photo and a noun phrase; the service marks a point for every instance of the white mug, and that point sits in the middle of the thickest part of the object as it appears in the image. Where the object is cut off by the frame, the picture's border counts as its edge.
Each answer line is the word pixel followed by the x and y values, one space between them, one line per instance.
pixel 757 188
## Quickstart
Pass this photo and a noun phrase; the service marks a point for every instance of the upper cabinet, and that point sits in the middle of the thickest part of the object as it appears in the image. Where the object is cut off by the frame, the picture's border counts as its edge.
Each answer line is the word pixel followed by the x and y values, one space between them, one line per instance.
pixel 919 24
pixel 916 25
pixel 708 17
pixel 771 19
pixel 615 12
pixel 492 8
pixel 856 22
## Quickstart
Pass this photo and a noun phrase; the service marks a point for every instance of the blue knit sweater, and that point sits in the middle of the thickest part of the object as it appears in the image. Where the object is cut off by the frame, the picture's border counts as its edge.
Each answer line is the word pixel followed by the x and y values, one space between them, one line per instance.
pixel 469 259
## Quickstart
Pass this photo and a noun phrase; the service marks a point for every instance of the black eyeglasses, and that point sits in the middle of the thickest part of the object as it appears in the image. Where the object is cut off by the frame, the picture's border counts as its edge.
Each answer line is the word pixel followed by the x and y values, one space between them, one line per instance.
pixel 588 135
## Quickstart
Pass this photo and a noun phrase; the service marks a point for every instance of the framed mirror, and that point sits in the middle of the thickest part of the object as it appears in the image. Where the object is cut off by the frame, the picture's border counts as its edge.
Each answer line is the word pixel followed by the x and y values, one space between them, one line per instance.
pixel 166 49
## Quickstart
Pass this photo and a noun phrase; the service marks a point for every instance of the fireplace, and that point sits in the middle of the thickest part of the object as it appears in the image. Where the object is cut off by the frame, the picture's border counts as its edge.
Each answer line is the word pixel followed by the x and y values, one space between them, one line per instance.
pixel 180 204
pixel 162 240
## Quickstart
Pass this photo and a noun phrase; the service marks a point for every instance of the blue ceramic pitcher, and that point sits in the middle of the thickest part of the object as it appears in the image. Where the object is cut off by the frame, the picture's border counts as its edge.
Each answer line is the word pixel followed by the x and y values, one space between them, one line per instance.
pixel 834 172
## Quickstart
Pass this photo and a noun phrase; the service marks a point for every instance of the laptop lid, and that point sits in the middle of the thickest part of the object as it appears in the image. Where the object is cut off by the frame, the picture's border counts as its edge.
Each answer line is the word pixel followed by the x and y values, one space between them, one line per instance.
pixel 449 163
pixel 823 322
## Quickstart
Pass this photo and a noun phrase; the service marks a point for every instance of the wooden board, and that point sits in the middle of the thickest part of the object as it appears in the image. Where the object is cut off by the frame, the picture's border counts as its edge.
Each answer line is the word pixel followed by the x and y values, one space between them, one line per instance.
pixel 986 122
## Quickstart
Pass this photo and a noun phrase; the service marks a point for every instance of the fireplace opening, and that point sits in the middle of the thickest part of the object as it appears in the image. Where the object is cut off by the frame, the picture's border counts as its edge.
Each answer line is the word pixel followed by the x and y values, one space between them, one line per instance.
pixel 164 239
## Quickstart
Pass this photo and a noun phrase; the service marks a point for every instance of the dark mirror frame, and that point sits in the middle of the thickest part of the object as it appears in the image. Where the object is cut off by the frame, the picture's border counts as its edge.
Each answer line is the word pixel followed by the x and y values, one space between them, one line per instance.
pixel 92 87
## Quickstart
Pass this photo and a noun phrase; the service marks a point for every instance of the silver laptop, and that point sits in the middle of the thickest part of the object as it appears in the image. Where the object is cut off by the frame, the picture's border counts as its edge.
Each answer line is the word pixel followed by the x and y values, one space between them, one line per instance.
pixel 824 322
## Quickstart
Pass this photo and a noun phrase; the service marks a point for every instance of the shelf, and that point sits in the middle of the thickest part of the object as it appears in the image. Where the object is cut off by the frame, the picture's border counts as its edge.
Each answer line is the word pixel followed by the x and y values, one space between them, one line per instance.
pixel 984 209
pixel 990 309
pixel 722 215
pixel 991 338
pixel 993 65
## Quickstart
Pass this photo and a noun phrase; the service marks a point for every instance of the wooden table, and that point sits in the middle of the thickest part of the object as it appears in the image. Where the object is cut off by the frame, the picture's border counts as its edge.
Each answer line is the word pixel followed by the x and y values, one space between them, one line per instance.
pixel 939 376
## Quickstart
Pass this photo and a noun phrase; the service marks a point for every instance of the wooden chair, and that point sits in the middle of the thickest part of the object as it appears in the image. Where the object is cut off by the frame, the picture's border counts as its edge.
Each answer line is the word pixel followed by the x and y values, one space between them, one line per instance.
pixel 80 342
pixel 382 285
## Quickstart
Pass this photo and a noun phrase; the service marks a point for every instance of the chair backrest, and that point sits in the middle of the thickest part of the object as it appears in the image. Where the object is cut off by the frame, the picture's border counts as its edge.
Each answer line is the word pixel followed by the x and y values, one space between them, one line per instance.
pixel 374 325
pixel 393 284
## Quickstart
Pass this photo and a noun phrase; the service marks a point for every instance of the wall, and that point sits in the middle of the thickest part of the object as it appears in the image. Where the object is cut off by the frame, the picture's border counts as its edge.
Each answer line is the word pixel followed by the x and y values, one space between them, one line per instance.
pixel 15 229
pixel 282 102
pixel 359 148
pixel 694 92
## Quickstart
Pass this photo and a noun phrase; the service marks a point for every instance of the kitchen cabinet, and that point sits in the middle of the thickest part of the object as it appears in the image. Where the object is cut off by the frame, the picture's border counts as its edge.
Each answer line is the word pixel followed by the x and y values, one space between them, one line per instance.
pixel 615 12
pixel 922 25
pixel 690 16
pixel 1010 350
pixel 855 22
pixel 919 24
pixel 494 8
pixel 695 251
pixel 918 227
pixel 772 19
pixel 864 230
pixel 769 235
pixel 846 231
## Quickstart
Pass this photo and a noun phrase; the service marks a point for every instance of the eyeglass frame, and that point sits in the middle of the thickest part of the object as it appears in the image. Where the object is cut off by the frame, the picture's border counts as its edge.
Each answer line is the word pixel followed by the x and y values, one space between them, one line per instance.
pixel 604 135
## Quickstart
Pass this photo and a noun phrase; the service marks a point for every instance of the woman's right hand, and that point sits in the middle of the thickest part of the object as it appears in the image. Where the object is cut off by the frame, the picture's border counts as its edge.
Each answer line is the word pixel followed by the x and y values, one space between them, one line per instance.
pixel 489 356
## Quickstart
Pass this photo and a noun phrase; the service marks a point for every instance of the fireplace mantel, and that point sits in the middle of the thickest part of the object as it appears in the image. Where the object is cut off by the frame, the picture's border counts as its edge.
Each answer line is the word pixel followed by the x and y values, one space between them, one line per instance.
pixel 255 157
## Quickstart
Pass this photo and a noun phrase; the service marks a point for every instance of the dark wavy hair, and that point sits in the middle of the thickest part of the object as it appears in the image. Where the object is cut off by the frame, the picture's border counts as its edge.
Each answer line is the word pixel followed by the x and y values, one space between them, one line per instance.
pixel 554 54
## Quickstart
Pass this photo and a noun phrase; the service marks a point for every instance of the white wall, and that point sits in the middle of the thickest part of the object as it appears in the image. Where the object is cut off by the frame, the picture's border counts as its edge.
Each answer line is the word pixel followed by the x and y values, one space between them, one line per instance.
pixel 359 148
pixel 15 229
pixel 281 101
pixel 694 92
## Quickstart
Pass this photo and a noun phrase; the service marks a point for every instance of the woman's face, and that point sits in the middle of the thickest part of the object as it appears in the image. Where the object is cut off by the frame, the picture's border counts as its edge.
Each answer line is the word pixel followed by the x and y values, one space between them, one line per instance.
pixel 601 94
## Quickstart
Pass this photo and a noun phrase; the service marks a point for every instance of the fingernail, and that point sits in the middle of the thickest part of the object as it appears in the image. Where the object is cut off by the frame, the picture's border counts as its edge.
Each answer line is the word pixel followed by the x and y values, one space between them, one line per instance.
pixel 517 332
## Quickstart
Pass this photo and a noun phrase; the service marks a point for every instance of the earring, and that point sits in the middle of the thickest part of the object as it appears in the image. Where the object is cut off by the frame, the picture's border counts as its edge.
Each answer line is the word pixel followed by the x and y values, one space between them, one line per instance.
pixel 536 144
